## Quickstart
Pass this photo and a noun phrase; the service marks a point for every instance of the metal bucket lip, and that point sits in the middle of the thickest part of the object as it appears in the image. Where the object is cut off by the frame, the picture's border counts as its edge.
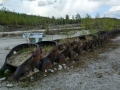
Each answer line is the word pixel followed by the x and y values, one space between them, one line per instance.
pixel 50 42
pixel 54 48
pixel 47 42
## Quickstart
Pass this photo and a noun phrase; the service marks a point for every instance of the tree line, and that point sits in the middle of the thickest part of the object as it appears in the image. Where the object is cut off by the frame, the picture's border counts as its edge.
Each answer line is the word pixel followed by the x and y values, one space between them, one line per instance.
pixel 11 18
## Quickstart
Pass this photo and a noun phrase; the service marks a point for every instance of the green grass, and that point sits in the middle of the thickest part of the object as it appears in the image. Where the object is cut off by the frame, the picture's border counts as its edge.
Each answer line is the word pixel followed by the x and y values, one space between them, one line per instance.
pixel 1 74
pixel 7 72
pixel 47 47
pixel 25 50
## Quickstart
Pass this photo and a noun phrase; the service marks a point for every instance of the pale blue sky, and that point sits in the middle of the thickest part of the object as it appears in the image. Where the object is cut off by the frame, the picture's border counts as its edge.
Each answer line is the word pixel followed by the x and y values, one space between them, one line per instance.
pixel 59 8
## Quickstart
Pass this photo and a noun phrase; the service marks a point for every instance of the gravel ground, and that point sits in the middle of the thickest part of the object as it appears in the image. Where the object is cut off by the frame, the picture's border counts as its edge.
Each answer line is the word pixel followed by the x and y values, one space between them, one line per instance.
pixel 102 73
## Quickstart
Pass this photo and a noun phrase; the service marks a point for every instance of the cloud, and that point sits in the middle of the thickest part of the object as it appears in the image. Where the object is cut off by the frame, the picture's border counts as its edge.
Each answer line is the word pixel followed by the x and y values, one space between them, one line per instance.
pixel 2 1
pixel 28 0
pixel 114 8
pixel 55 1
pixel 59 8
pixel 46 2
pixel 31 0
pixel 1 4
pixel 42 3
pixel 113 12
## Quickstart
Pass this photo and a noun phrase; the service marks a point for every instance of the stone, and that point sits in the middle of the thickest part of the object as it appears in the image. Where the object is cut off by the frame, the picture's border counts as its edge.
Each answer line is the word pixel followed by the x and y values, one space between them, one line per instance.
pixel 50 70
pixel 55 63
pixel 65 67
pixel 31 78
pixel 73 61
pixel 71 66
pixel 45 75
pixel 67 58
pixel 36 70
pixel 55 69
pixel 99 76
pixel 14 52
pixel 60 67
pixel 3 79
pixel 9 85
pixel 46 70
pixel 64 64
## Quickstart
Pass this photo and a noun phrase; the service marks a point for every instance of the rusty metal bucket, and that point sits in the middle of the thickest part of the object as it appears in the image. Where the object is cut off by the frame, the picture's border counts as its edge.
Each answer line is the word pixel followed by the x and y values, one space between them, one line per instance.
pixel 48 55
pixel 31 61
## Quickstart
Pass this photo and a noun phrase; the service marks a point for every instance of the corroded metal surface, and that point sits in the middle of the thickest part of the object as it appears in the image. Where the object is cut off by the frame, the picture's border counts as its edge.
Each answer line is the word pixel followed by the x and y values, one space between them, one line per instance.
pixel 59 52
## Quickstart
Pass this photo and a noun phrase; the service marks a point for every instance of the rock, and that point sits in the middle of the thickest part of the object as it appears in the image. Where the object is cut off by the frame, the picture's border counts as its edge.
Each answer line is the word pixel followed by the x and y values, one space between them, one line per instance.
pixel 9 85
pixel 63 64
pixel 65 67
pixel 71 66
pixel 99 75
pixel 45 75
pixel 31 78
pixel 73 61
pixel 46 70
pixel 55 69
pixel 87 75
pixel 60 67
pixel 67 58
pixel 50 70
pixel 55 63
pixel 14 52
pixel 36 70
pixel 2 79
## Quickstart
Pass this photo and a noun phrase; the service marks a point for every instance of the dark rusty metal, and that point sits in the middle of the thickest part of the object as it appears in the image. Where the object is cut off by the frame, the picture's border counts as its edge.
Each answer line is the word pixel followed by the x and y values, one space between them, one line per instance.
pixel 26 66
pixel 60 58
pixel 59 52
pixel 29 64
pixel 68 52
pixel 48 60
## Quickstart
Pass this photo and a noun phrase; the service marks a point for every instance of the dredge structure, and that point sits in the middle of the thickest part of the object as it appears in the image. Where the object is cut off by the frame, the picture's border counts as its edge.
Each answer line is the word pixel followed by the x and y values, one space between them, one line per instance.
pixel 43 57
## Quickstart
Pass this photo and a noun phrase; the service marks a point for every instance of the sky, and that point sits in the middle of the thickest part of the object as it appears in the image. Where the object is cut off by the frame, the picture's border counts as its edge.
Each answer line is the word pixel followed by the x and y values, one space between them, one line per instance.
pixel 59 8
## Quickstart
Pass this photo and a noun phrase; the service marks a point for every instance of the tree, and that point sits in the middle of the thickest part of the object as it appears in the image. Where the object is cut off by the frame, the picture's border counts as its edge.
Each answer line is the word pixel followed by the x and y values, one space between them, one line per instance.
pixel 53 20
pixel 67 19
pixel 78 18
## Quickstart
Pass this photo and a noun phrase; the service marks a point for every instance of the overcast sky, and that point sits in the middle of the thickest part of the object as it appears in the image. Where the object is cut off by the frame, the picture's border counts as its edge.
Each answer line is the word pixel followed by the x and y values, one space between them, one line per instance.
pixel 59 8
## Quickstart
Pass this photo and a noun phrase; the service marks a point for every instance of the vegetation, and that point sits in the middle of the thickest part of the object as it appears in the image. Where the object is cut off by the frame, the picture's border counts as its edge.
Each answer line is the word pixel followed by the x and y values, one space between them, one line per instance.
pixel 30 49
pixel 1 74
pixel 46 49
pixel 11 18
